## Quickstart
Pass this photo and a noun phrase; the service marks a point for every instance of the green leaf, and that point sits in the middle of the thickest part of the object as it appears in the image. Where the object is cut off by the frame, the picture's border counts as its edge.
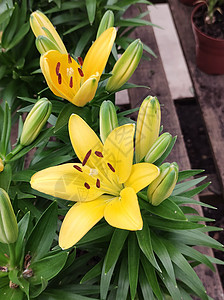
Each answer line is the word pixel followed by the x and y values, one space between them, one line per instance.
pixel 185 200
pixel 57 294
pixel 23 175
pixel 151 276
pixel 134 22
pixel 66 6
pixel 163 255
pixel 115 247
pixel 188 173
pixel 36 290
pixel 105 281
pixel 5 177
pixel 182 187
pixel 11 294
pixel 4 16
pixel 80 25
pixel 42 235
pixel 91 10
pixel 83 41
pixel 133 263
pixel 145 287
pixel 20 245
pixel 196 190
pixel 123 281
pixel 11 28
pixel 47 267
pixel 6 130
pixel 19 36
pixel 167 210
pixel 145 244
pixel 94 272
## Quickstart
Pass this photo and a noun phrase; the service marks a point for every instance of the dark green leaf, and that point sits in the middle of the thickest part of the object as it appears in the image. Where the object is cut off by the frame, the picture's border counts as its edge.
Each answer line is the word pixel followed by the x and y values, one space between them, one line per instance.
pixel 105 281
pixel 20 245
pixel 94 272
pixel 188 173
pixel 91 10
pixel 185 200
pixel 145 287
pixel 182 187
pixel 133 263
pixel 5 177
pixel 11 294
pixel 23 175
pixel 123 281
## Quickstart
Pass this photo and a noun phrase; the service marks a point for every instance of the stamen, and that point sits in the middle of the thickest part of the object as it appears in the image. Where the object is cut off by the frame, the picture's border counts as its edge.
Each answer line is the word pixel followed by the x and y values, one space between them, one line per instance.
pixel 99 154
pixel 86 157
pixel 71 82
pixel 59 78
pixel 80 60
pixel 98 183
pixel 86 185
pixel 77 168
pixel 111 167
pixel 80 72
pixel 57 68
pixel 69 59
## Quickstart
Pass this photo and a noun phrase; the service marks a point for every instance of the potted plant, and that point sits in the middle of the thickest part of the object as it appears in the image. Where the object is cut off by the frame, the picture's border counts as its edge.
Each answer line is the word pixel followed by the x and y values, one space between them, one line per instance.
pixel 208 23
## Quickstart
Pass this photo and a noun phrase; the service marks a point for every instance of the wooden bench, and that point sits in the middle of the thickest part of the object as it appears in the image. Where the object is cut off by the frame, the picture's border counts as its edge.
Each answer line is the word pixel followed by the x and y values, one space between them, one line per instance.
pixel 151 73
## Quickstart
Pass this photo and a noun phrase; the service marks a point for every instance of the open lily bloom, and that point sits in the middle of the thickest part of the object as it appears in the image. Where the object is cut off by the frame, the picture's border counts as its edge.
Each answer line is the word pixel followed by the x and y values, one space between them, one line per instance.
pixel 103 185
pixel 78 82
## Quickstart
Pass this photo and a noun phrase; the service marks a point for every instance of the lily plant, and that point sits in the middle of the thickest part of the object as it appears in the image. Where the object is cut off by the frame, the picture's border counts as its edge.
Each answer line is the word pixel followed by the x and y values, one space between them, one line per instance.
pixel 105 183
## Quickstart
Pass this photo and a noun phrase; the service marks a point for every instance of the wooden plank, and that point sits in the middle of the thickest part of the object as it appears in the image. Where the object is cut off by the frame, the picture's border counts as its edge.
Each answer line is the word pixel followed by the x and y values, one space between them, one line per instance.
pixel 151 73
pixel 209 88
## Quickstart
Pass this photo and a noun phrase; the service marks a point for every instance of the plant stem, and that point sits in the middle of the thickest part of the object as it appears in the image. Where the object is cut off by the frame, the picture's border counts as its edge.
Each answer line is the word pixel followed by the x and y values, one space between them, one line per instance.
pixel 14 152
pixel 12 255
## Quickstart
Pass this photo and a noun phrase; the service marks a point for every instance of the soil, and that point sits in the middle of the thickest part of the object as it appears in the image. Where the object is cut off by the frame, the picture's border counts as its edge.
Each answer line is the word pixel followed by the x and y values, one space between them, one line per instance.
pixel 213 28
pixel 200 156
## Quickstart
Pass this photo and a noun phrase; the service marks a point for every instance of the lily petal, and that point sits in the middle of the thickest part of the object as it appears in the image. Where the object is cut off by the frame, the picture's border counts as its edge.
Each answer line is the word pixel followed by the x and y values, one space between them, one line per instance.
pixel 118 152
pixel 61 73
pixel 123 212
pixel 79 220
pixel 98 54
pixel 142 175
pixel 66 182
pixel 83 140
pixel 87 91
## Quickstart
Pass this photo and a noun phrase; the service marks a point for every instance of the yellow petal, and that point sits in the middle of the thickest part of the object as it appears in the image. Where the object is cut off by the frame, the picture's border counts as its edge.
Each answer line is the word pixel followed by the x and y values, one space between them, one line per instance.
pixel 79 220
pixel 83 140
pixel 142 175
pixel 87 91
pixel 118 151
pixel 98 54
pixel 123 212
pixel 54 65
pixel 37 21
pixel 66 182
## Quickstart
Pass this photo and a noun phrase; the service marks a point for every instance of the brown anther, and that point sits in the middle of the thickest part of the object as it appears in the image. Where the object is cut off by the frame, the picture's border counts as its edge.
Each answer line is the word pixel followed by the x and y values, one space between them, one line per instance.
pixel 86 157
pixel 13 285
pixel 59 78
pixel 80 72
pixel 71 82
pixel 27 260
pixel 3 269
pixel 111 167
pixel 57 68
pixel 69 59
pixel 99 154
pixel 80 60
pixel 98 183
pixel 77 168
pixel 86 185
pixel 27 273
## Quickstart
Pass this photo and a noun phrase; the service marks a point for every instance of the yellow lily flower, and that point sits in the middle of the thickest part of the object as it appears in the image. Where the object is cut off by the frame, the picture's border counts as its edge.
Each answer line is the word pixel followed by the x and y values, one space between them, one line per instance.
pixel 77 82
pixel 105 184
pixel 1 165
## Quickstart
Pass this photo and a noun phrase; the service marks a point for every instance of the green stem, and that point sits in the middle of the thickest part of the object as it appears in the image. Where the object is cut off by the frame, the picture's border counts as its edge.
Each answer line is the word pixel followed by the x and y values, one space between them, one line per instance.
pixel 13 152
pixel 143 196
pixel 12 255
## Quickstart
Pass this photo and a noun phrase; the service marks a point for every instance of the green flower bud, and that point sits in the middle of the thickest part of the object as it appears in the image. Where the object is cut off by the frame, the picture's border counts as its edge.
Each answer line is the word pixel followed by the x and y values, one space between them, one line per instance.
pixel 158 148
pixel 148 126
pixel 162 187
pixel 8 223
pixel 106 22
pixel 44 44
pixel 125 66
pixel 35 121
pixel 1 165
pixel 108 119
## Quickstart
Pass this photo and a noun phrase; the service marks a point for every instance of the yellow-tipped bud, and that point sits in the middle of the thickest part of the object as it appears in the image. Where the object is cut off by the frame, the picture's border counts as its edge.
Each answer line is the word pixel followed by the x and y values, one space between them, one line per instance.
pixel 158 148
pixel 8 223
pixel 125 66
pixel 106 22
pixel 35 121
pixel 162 187
pixel 108 119
pixel 148 126
pixel 44 44
pixel 1 165
pixel 41 25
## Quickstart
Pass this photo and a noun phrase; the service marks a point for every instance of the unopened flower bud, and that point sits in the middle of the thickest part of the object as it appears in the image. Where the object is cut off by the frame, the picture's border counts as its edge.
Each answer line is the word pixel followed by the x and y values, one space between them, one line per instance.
pixel 162 187
pixel 1 165
pixel 44 44
pixel 148 126
pixel 8 223
pixel 108 119
pixel 125 66
pixel 158 148
pixel 41 25
pixel 35 121
pixel 106 22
